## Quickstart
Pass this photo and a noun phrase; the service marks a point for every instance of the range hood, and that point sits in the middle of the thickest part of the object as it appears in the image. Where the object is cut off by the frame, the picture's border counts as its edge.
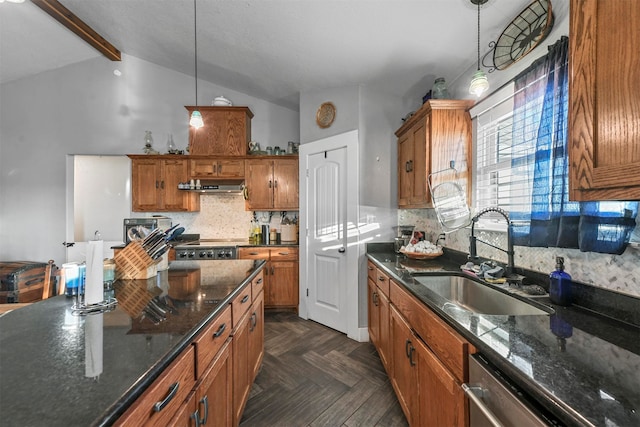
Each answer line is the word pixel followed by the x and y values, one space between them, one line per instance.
pixel 221 187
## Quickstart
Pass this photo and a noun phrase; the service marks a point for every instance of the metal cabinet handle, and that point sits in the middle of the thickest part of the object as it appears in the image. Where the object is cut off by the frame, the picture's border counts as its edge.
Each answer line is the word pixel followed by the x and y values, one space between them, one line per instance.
pixel 260 280
pixel 173 389
pixel 410 165
pixel 406 166
pixel 342 250
pixel 374 298
pixel 382 278
pixel 411 351
pixel 470 392
pixel 407 345
pixel 269 183
pixel 195 416
pixel 272 270
pixel 220 330
pixel 254 321
pixel 219 168
pixel 283 253
pixel 245 299
pixel 157 184
pixel 370 268
pixel 275 183
pixel 162 184
pixel 205 402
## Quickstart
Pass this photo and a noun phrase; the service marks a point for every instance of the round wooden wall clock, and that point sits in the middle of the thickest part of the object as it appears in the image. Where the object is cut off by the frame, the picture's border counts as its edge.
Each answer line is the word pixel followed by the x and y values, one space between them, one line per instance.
pixel 523 34
pixel 326 114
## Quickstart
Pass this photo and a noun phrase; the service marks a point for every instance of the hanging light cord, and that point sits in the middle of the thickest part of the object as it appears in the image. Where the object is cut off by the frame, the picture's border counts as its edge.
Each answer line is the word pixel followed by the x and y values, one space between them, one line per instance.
pixel 478 35
pixel 195 44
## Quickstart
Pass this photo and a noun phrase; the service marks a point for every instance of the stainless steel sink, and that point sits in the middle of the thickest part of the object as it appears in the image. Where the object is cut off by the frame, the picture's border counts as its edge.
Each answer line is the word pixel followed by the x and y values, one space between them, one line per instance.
pixel 479 298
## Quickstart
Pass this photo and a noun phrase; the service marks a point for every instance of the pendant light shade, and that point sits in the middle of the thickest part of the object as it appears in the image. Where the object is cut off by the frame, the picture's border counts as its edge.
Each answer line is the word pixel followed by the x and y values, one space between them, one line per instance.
pixel 479 82
pixel 196 118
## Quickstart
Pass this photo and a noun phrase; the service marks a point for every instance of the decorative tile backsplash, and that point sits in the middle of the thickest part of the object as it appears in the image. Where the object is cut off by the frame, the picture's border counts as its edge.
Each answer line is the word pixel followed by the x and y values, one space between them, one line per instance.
pixel 619 273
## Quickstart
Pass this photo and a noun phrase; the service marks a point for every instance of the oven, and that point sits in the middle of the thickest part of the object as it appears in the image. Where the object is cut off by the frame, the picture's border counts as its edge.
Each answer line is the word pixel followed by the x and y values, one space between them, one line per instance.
pixel 205 249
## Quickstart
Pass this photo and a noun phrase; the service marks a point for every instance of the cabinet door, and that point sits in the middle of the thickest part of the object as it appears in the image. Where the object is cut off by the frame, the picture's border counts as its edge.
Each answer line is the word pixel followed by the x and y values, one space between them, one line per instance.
pixel 405 177
pixel 256 336
pixel 384 332
pixel 175 172
pixel 604 107
pixel 259 183
pixel 449 136
pixel 404 376
pixel 226 131
pixel 285 184
pixel 214 394
pixel 163 399
pixel 420 166
pixel 241 376
pixel 145 184
pixel 442 401
pixel 373 313
pixel 283 284
pixel 230 168
pixel 205 168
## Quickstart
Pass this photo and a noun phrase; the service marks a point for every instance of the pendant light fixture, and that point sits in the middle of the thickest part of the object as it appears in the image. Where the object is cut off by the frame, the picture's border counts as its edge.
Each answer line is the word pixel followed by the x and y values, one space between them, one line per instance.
pixel 196 118
pixel 479 82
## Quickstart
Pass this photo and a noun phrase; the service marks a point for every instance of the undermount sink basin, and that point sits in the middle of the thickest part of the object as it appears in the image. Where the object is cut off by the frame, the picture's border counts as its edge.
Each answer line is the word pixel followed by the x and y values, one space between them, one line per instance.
pixel 479 298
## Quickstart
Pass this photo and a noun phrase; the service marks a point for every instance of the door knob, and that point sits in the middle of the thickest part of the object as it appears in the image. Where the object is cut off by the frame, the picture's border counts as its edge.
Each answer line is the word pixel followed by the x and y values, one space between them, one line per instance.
pixel 342 250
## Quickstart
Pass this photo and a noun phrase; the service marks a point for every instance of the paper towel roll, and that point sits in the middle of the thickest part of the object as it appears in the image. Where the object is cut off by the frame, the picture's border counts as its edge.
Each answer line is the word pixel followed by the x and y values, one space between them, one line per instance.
pixel 94 286
pixel 93 345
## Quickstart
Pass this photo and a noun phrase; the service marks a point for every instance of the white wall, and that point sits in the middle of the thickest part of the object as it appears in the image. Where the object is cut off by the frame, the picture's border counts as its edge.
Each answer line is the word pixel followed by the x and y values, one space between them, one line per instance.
pixel 85 109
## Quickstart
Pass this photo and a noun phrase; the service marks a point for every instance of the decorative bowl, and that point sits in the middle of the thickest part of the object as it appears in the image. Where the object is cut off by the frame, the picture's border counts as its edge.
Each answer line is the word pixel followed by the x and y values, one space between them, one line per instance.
pixel 421 255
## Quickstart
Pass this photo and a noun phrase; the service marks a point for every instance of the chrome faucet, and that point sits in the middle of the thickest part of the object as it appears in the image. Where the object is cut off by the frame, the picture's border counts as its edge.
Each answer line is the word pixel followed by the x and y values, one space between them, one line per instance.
pixel 473 255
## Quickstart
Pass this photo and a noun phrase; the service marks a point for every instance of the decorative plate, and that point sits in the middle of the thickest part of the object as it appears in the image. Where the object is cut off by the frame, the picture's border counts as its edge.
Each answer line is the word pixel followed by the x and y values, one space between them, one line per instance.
pixel 523 34
pixel 326 114
pixel 420 255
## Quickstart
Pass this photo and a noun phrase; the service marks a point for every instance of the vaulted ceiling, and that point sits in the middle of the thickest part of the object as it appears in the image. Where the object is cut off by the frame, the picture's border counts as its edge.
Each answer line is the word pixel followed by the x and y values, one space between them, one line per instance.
pixel 270 49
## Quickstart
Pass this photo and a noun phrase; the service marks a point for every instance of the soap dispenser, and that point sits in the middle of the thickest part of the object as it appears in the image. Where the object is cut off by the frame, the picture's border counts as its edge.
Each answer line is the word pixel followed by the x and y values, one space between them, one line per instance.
pixel 560 284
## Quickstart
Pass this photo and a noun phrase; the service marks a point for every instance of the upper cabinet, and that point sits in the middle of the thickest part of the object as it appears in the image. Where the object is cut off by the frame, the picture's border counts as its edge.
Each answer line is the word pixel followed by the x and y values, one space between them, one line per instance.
pixel 154 184
pixel 272 184
pixel 604 107
pixel 226 131
pixel 438 133
pixel 216 168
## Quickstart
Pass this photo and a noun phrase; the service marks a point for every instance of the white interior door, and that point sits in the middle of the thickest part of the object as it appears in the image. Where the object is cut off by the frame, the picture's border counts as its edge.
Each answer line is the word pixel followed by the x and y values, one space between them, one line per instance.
pixel 329 254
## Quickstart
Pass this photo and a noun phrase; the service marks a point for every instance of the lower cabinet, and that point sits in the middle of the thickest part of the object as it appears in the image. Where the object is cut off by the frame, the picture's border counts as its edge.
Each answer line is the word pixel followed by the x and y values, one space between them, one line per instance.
pixel 209 382
pixel 425 358
pixel 281 287
pixel 164 398
pixel 248 343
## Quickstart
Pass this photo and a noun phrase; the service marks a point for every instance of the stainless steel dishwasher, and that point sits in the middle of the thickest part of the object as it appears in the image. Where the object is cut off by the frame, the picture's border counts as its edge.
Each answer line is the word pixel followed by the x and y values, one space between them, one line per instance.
pixel 494 401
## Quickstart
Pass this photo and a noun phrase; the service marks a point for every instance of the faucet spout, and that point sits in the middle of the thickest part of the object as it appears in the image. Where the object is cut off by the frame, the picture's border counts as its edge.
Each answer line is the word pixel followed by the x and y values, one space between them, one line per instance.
pixel 473 253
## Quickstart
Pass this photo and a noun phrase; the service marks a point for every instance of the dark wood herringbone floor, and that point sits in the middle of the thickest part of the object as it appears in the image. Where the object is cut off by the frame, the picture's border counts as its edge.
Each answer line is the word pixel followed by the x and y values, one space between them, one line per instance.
pixel 314 376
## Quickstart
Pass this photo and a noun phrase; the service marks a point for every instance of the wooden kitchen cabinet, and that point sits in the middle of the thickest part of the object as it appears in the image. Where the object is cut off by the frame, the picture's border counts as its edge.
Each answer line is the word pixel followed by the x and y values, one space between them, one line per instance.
pixel 248 344
pixel 160 403
pixel 378 313
pixel 216 168
pixel 226 131
pixel 281 274
pixel 404 370
pixel 604 108
pixel 272 183
pixel 154 184
pixel 210 402
pixel 438 133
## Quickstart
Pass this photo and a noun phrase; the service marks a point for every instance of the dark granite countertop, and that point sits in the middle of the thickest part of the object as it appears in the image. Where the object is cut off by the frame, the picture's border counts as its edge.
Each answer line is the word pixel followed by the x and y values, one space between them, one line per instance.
pixel 51 373
pixel 581 367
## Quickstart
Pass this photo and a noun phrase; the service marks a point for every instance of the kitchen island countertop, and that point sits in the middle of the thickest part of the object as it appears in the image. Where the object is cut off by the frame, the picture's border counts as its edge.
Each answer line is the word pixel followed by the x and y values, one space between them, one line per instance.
pixel 47 375
pixel 581 366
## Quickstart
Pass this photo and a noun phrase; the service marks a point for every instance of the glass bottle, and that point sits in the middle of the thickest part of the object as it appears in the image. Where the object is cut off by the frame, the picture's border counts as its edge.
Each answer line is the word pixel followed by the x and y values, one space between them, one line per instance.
pixel 439 90
pixel 171 147
pixel 148 141
pixel 560 284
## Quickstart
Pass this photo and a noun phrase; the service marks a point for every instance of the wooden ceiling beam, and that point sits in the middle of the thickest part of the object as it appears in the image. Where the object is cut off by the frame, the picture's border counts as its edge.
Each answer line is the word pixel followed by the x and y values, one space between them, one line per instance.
pixel 76 25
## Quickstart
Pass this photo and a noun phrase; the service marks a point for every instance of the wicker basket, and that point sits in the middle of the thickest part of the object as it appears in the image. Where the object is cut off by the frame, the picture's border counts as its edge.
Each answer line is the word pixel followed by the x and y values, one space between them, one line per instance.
pixel 133 262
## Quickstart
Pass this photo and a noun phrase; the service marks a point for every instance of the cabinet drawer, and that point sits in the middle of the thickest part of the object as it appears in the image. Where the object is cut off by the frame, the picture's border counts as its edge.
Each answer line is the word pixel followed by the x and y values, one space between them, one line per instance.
pixel 211 340
pixel 371 271
pixel 382 281
pixel 253 253
pixel 241 304
pixel 257 284
pixel 160 402
pixel 448 346
pixel 289 253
